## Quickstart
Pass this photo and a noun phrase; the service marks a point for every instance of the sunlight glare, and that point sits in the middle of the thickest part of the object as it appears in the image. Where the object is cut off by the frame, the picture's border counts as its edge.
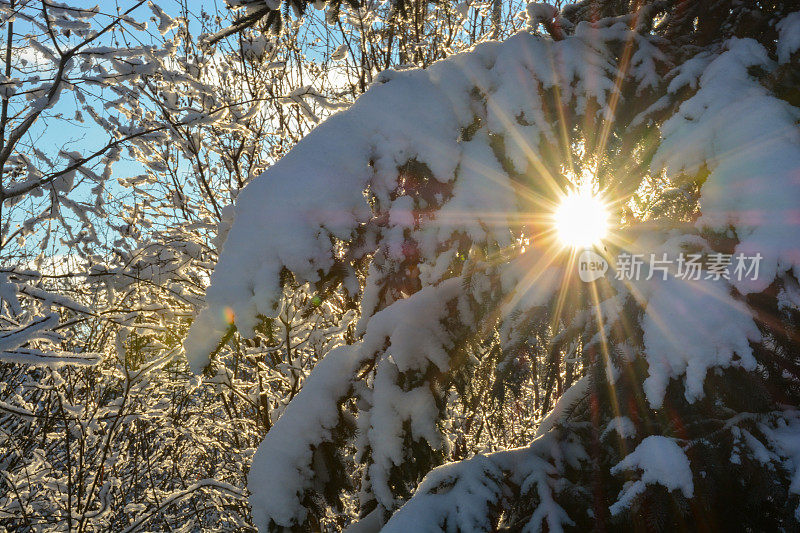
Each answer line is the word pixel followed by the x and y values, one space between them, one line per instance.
pixel 581 219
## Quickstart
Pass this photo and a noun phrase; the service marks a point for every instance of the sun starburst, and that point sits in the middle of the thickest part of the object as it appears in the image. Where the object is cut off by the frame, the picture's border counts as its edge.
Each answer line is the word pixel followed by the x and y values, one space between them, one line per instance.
pixel 581 219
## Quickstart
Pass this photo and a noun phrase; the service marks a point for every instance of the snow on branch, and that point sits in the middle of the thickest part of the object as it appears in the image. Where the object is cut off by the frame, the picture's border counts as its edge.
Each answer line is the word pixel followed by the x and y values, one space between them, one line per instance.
pixel 28 340
pixel 212 484
pixel 278 475
pixel 661 461
pixel 752 186
pixel 461 496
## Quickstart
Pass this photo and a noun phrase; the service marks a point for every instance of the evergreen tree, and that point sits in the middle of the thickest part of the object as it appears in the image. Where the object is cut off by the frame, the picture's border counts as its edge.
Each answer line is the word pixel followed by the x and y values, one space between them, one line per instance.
pixel 670 403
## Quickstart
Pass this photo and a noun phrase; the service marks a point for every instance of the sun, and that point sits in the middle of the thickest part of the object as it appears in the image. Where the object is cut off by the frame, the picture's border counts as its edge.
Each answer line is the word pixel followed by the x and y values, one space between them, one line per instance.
pixel 581 219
